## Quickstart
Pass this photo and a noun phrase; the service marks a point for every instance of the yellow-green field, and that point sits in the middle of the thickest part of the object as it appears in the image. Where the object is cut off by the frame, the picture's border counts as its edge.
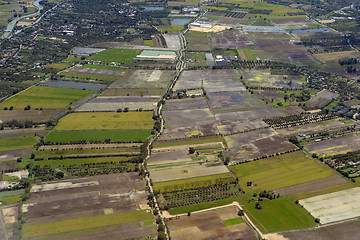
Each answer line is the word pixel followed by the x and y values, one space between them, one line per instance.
pixel 106 120
pixel 280 171
pixel 7 144
pixel 59 66
pixel 46 97
pixel 84 224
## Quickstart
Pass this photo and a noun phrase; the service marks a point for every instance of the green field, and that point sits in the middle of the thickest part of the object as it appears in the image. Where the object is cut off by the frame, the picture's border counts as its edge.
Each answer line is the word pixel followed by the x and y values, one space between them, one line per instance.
pixel 117 55
pixel 172 28
pixel 78 161
pixel 149 43
pixel 10 199
pixel 233 221
pixel 113 135
pixel 107 120
pixel 46 97
pixel 59 66
pixel 190 183
pixel 104 67
pixel 82 224
pixel 278 215
pixel 7 144
pixel 59 153
pixel 280 171
pixel 196 141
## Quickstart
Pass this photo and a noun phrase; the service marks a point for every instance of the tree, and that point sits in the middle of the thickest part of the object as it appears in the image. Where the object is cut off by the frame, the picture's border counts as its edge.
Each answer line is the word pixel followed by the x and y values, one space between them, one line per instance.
pixel 191 150
pixel 258 206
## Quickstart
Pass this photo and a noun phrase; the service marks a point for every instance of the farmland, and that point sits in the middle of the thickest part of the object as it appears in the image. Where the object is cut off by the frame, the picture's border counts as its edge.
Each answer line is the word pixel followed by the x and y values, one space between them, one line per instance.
pixel 280 171
pixel 278 215
pixel 7 144
pixel 117 213
pixel 215 223
pixel 122 56
pixel 31 115
pixel 106 120
pixel 45 97
pixel 101 135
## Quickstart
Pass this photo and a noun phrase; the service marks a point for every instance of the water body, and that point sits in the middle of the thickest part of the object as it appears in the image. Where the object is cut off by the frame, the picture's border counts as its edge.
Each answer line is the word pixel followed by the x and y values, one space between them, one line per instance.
pixel 74 85
pixel 153 8
pixel 311 30
pixel 180 21
pixel 10 27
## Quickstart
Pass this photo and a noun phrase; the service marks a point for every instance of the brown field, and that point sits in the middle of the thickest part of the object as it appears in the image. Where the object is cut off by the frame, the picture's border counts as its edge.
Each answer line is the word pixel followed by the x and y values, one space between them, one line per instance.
pixel 231 39
pixel 132 92
pixel 11 133
pixel 321 99
pixel 256 143
pixel 339 145
pixel 209 225
pixel 31 115
pixel 326 57
pixel 8 218
pixel 314 127
pixel 197 42
pixel 13 154
pixel 187 103
pixel 177 123
pixel 5 165
pixel 85 197
pixel 315 185
pixel 343 231
pixel 87 146
pixel 95 72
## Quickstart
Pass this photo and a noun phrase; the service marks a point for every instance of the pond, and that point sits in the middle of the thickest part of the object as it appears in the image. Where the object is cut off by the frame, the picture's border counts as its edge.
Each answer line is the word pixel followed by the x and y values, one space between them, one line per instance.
pixel 180 21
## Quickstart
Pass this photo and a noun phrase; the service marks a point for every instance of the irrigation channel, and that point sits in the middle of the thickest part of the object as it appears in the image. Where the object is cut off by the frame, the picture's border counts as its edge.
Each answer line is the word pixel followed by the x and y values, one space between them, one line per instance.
pixel 180 66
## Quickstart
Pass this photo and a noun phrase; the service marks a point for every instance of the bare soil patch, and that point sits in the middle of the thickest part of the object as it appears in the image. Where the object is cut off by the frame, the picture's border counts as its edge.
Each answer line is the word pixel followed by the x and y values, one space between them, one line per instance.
pixel 321 99
pixel 87 146
pixel 325 57
pixel 31 115
pixel 132 92
pixel 95 72
pixel 231 39
pixel 13 154
pixel 312 185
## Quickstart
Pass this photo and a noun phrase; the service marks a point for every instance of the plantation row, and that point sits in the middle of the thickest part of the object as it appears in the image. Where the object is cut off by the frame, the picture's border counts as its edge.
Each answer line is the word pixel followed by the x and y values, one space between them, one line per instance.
pixel 295 120
pixel 324 41
pixel 235 14
pixel 200 195
pixel 93 169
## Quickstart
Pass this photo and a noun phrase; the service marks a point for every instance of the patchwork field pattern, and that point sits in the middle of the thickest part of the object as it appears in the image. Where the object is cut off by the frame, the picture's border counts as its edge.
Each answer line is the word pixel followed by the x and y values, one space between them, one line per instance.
pixel 209 225
pixel 101 207
pixel 334 207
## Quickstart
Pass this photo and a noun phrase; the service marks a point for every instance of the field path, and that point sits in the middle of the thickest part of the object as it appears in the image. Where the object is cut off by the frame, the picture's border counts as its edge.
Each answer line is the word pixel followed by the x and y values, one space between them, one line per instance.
pixel 166 214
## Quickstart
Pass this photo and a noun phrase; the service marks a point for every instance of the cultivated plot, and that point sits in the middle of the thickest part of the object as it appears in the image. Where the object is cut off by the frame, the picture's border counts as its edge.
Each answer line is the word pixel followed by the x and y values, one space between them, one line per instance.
pixel 231 39
pixel 31 115
pixel 221 223
pixel 74 85
pixel 177 123
pixel 45 97
pixel 335 146
pixel 172 41
pixel 184 104
pixel 280 171
pixel 334 207
pixel 114 103
pixel 321 99
pixel 256 144
pixel 92 207
pixel 106 120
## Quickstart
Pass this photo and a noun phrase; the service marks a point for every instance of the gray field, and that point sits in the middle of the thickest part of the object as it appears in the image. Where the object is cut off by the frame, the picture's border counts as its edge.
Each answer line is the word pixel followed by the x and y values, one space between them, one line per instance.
pixel 321 98
pixel 188 103
pixel 172 41
pixel 74 85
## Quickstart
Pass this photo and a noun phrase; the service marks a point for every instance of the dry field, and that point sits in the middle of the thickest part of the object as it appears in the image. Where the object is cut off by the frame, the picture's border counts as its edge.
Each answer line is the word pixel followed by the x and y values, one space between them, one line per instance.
pixel 95 72
pixel 231 39
pixel 31 115
pixel 177 123
pixel 113 103
pixel 132 92
pixel 81 201
pixel 326 57
pixel 14 154
pixel 210 225
pixel 172 158
pixel 313 128
pixel 264 78
pixel 185 172
pixel 335 206
pixel 321 99
pixel 315 185
pixel 172 41
pixel 8 218
pixel 185 104
pixel 87 146
pixel 213 29
pixel 339 145
pixel 256 143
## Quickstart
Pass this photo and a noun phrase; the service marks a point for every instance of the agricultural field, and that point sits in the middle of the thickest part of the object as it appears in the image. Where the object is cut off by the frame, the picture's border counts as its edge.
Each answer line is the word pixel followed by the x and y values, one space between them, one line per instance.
pixel 9 219
pixel 30 115
pixel 185 104
pixel 348 230
pixel 221 223
pixel 45 97
pixel 231 39
pixel 177 125
pixel 335 206
pixel 195 59
pixel 172 41
pixel 339 145
pixel 66 137
pixel 121 56
pixel 106 120
pixel 55 211
pixel 281 171
pixel 7 144
pixel 255 144
pixel 7 155
pixel 197 41
pixel 326 57
pixel 321 99
pixel 58 66
pixel 92 73
pixel 145 79
pixel 133 92
pixel 279 215
pixel 114 103
pixel 263 78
